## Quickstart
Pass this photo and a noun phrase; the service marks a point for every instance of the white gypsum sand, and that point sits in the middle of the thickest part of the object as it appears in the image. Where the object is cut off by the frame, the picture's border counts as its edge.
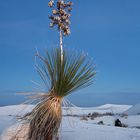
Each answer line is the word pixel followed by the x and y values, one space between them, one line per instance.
pixel 73 127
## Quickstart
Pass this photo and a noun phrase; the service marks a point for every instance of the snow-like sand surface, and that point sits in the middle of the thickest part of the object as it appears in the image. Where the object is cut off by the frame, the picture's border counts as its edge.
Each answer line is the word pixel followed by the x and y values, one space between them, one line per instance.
pixel 73 128
pixel 134 110
pixel 101 109
pixel 84 130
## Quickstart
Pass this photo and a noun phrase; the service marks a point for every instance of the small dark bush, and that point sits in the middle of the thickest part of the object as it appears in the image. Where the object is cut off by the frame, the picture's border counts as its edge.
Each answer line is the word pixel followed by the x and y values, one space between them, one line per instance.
pixel 108 114
pixel 124 125
pixel 100 123
pixel 89 115
pixel 118 123
pixel 84 118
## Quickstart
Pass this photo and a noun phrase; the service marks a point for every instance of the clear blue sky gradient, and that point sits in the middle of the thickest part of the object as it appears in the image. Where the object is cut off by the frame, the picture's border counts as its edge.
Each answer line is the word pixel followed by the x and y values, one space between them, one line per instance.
pixel 109 30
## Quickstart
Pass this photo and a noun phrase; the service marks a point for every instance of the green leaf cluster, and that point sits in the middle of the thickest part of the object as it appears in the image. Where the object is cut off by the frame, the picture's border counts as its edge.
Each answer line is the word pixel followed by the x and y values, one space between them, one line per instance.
pixel 63 77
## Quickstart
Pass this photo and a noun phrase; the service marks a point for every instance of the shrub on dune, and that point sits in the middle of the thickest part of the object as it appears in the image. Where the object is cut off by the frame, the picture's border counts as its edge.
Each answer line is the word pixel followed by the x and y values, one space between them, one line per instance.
pixel 76 71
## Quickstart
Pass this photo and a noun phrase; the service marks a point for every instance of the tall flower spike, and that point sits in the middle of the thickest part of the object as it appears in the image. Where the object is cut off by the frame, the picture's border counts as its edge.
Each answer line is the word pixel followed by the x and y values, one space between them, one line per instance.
pixel 60 16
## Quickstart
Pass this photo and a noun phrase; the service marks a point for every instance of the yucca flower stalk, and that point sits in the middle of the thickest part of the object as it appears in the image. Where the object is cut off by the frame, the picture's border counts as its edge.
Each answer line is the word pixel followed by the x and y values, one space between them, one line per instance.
pixel 60 17
pixel 63 72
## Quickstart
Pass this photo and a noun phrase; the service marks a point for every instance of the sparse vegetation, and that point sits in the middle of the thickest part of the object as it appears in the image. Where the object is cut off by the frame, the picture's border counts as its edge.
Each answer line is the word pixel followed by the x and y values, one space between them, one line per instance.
pixel 124 115
pixel 84 117
pixel 124 125
pixel 100 123
pixel 94 115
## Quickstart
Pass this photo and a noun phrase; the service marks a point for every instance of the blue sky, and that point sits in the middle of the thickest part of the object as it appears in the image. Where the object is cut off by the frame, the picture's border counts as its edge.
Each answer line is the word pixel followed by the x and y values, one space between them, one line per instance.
pixel 108 30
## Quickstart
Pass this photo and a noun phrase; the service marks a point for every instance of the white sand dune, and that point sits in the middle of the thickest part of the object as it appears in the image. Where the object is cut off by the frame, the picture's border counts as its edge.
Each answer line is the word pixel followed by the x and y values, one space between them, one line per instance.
pixel 73 128
pixel 134 110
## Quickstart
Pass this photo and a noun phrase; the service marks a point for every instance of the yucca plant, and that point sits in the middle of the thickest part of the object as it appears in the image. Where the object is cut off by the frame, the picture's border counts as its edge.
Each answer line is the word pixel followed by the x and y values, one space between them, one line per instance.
pixel 63 72
pixel 75 72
